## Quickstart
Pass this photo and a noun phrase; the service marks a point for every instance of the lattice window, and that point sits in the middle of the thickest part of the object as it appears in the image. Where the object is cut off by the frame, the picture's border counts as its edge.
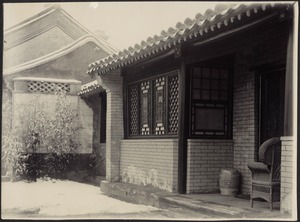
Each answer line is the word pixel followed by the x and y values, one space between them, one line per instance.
pixel 48 87
pixel 159 105
pixel 134 110
pixel 173 104
pixel 153 106
pixel 145 107
pixel 210 105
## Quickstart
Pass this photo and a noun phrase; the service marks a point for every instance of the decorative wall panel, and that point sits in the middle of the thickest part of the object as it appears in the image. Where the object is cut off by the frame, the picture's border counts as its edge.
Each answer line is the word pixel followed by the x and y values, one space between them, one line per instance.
pixel 145 106
pixel 159 108
pixel 48 87
pixel 173 104
pixel 153 106
pixel 133 110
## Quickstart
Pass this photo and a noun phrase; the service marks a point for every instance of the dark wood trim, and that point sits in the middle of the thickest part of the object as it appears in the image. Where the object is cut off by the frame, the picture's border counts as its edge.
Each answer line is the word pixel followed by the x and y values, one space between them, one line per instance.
pixel 231 100
pixel 288 104
pixel 224 62
pixel 190 93
pixel 150 109
pixel 151 96
pixel 166 96
pixel 102 96
pixel 151 77
pixel 125 106
pixel 139 73
pixel 264 78
pixel 238 29
pixel 233 43
pixel 266 68
pixel 182 126
pixel 152 59
pixel 259 114
pixel 261 71
pixel 169 136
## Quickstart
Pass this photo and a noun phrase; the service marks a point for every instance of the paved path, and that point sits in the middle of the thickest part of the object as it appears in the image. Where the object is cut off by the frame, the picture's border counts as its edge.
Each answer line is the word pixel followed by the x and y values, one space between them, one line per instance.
pixel 67 199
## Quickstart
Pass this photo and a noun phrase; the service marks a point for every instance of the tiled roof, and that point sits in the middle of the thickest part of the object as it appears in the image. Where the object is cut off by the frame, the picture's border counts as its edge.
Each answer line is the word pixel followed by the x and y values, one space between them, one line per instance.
pixel 90 88
pixel 201 25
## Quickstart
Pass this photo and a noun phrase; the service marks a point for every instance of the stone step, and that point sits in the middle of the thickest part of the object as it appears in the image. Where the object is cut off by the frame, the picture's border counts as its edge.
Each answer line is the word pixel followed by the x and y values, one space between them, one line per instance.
pixel 157 198
pixel 210 209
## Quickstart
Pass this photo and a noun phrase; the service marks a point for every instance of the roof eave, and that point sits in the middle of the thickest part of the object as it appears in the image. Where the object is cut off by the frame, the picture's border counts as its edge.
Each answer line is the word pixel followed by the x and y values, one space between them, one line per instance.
pixel 198 34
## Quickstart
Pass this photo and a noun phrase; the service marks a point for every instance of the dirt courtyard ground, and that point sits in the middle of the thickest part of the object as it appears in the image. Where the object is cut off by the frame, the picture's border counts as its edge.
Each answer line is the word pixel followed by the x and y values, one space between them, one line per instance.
pixel 48 199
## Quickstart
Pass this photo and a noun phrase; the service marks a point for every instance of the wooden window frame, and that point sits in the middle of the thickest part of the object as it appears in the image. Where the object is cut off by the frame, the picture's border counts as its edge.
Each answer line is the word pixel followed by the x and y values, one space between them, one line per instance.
pixel 152 109
pixel 216 104
pixel 103 108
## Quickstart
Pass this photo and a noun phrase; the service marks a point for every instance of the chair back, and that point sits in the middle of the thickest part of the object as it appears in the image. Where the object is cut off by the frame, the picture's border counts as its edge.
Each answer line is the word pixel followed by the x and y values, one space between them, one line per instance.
pixel 270 154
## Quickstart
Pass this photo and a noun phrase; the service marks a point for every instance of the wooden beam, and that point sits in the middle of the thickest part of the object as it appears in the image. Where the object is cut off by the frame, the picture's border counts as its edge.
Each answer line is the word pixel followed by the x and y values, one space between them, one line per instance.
pixel 182 129
pixel 152 58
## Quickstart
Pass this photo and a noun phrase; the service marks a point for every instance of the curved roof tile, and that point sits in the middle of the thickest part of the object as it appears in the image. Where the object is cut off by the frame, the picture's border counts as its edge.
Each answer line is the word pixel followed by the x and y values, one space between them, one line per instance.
pixel 90 88
pixel 222 15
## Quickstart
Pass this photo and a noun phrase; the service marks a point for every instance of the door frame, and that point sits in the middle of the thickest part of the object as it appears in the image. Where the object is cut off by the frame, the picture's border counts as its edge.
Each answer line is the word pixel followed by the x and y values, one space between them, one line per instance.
pixel 262 72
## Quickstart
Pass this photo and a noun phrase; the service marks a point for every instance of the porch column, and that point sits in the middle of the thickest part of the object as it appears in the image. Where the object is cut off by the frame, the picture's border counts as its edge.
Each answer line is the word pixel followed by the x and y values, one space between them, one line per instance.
pixel 112 82
pixel 288 195
pixel 182 129
pixel 290 80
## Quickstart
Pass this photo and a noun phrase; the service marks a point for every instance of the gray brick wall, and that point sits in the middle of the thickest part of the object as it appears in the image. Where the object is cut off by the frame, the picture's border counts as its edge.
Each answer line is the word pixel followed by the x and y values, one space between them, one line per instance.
pixel 112 82
pixel 85 115
pixel 152 161
pixel 244 119
pixel 269 49
pixel 288 176
pixel 205 159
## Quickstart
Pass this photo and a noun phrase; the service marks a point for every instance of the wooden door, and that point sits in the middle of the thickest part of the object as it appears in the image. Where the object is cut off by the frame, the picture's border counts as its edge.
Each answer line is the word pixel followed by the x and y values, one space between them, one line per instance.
pixel 272 84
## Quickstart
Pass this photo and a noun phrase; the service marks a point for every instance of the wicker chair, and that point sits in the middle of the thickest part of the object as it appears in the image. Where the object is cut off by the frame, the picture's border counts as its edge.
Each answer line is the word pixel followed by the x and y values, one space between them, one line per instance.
pixel 266 172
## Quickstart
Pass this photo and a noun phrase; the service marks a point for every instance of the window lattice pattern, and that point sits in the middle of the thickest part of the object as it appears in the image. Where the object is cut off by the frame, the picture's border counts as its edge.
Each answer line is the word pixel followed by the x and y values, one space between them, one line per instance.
pixel 145 105
pixel 173 104
pixel 159 99
pixel 210 102
pixel 48 87
pixel 153 106
pixel 134 123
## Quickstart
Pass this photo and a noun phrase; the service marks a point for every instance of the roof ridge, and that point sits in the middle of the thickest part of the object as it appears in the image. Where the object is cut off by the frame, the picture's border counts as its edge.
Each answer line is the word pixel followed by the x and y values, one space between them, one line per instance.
pixel 45 11
pixel 53 55
pixel 112 49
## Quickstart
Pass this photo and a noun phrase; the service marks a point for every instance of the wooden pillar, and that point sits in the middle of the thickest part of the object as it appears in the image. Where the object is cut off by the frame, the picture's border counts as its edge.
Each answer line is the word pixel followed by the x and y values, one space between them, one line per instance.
pixel 182 129
pixel 288 185
pixel 290 78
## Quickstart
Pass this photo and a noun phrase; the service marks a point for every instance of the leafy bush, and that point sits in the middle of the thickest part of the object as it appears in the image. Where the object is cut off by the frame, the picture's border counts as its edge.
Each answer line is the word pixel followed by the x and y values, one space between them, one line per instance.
pixel 40 130
pixel 12 155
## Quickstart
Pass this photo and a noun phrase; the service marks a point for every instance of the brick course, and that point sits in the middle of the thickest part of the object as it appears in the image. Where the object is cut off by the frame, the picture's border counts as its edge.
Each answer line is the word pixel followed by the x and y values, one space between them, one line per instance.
pixel 205 159
pixel 270 48
pixel 148 155
pixel 244 119
pixel 288 176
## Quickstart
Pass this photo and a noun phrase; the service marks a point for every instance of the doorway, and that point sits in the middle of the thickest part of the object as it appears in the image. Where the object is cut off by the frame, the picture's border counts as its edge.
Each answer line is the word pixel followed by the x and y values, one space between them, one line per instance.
pixel 271 105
